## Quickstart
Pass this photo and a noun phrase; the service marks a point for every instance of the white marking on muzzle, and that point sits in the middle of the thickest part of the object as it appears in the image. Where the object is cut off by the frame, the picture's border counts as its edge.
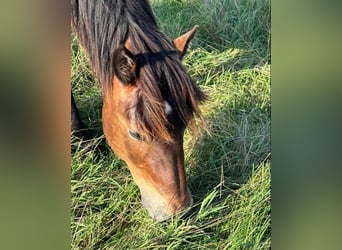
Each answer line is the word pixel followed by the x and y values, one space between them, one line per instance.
pixel 168 108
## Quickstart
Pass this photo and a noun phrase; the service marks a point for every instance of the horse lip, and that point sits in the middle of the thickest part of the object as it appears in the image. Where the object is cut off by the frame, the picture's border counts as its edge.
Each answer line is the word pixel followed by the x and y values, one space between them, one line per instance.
pixel 159 212
pixel 182 213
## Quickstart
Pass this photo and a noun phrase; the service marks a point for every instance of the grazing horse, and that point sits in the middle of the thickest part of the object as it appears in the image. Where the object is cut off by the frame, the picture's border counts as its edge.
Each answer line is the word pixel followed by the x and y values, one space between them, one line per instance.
pixel 148 97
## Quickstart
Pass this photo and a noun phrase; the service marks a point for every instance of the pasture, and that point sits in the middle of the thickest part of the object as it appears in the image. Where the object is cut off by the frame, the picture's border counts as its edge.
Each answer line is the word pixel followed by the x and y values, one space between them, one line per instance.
pixel 227 164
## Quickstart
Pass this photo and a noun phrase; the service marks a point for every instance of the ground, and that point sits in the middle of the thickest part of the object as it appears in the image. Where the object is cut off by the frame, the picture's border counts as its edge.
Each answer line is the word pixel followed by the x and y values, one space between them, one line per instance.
pixel 228 166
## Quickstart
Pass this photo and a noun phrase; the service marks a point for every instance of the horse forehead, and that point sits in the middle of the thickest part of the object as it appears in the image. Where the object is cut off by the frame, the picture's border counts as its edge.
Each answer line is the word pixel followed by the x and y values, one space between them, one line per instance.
pixel 168 108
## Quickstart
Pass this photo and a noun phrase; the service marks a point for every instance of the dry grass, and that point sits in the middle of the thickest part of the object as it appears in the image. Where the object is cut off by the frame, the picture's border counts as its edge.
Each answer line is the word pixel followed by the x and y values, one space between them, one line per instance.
pixel 228 169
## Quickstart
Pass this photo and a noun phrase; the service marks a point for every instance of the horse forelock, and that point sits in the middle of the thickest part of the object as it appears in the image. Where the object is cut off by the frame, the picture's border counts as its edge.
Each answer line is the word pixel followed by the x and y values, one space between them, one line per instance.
pixel 163 78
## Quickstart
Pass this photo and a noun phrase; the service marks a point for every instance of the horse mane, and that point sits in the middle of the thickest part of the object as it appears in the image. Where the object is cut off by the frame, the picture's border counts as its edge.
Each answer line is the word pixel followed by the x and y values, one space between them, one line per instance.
pixel 102 26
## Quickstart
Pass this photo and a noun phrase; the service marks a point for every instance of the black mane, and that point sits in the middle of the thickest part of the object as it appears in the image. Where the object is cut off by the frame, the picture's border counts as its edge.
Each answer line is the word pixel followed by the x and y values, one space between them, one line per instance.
pixel 103 25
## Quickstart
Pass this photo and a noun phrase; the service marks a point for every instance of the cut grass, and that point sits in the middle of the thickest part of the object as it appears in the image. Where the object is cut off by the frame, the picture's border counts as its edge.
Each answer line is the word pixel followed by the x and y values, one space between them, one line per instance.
pixel 228 169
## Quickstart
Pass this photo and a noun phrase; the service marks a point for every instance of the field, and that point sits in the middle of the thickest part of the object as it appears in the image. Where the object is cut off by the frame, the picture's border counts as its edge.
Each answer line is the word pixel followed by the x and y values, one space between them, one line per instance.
pixel 228 167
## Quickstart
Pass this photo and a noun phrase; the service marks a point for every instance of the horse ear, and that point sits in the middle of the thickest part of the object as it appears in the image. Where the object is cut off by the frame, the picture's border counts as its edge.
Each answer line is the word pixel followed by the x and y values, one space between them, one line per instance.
pixel 183 41
pixel 124 65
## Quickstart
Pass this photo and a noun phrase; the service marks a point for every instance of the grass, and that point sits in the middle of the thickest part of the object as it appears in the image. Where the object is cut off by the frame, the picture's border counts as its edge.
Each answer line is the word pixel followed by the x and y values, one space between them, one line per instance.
pixel 228 169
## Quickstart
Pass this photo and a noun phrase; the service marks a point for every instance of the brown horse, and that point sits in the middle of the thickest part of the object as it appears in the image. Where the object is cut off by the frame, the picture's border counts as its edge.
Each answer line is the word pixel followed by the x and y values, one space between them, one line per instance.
pixel 148 97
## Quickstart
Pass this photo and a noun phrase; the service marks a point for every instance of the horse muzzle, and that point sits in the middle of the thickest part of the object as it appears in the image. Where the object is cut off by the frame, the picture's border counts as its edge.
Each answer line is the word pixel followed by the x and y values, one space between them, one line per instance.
pixel 161 208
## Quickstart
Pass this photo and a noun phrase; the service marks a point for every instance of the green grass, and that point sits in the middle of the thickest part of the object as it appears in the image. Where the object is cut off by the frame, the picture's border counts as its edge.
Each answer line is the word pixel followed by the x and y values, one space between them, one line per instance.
pixel 228 168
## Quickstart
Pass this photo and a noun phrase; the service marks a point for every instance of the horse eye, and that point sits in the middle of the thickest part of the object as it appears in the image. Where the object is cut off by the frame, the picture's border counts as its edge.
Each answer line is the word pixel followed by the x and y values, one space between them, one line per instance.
pixel 134 135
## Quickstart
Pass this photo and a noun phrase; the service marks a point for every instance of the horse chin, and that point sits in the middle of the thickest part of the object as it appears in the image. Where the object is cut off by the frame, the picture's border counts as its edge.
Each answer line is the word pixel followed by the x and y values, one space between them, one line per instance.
pixel 160 210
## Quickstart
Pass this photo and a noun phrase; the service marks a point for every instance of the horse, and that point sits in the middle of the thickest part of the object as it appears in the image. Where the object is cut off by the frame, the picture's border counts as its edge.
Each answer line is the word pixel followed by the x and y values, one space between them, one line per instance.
pixel 148 97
